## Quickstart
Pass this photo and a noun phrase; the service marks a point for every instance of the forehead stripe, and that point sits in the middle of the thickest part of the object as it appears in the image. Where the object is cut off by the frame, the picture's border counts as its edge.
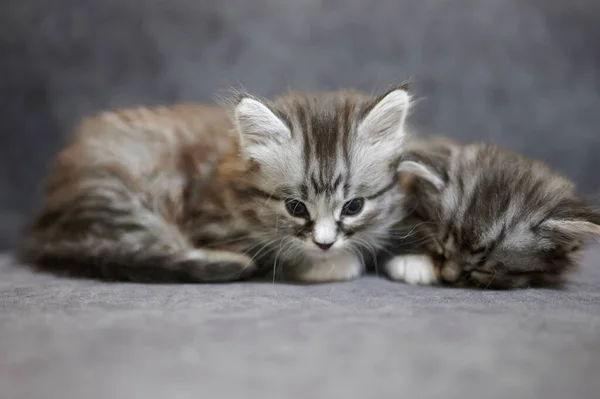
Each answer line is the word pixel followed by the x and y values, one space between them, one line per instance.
pixel 383 190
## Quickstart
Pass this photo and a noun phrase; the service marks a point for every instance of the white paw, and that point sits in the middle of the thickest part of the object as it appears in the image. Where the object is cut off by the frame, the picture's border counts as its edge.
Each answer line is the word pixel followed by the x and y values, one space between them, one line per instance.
pixel 412 269
pixel 341 267
pixel 218 256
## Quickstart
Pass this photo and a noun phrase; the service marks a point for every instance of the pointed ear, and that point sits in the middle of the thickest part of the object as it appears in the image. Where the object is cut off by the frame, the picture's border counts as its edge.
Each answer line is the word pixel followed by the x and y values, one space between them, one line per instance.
pixel 383 121
pixel 573 218
pixel 582 229
pixel 259 128
pixel 427 160
pixel 409 170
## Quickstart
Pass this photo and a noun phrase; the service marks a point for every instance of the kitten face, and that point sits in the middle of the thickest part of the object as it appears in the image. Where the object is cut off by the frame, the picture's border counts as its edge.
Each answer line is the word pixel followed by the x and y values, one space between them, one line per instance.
pixel 494 218
pixel 325 166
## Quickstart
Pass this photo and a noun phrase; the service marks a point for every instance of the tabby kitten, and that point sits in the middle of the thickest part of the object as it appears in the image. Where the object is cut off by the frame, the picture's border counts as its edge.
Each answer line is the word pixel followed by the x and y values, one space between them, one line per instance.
pixel 483 216
pixel 304 185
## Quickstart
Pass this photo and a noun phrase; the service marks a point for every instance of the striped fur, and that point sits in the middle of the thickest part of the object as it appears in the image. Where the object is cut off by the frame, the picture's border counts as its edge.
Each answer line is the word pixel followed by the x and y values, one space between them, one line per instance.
pixel 487 217
pixel 193 193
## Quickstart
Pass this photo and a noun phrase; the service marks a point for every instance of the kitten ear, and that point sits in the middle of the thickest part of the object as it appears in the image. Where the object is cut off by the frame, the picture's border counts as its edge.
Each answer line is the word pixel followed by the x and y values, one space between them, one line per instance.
pixel 384 119
pixel 259 128
pixel 411 169
pixel 573 228
pixel 574 219
pixel 428 160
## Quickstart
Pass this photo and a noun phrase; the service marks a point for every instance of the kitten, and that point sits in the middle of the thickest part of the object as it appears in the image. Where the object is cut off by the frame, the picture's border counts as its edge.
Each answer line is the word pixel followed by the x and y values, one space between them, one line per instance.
pixel 483 216
pixel 305 185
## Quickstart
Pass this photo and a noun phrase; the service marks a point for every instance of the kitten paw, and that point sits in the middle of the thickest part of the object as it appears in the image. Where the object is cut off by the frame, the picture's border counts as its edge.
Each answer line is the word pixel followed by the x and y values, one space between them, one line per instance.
pixel 412 269
pixel 342 267
pixel 216 266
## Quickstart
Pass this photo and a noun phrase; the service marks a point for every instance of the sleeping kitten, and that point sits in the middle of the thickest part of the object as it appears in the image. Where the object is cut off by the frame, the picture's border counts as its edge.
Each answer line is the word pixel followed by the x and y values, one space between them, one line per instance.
pixel 304 185
pixel 481 215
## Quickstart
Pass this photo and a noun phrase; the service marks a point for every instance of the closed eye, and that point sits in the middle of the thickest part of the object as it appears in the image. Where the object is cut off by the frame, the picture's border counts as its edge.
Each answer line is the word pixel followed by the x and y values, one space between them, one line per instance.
pixel 479 251
pixel 483 254
pixel 481 261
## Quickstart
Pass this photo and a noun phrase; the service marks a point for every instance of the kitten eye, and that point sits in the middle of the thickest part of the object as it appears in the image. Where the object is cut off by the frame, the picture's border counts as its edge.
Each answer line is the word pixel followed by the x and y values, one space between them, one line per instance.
pixel 353 206
pixel 296 208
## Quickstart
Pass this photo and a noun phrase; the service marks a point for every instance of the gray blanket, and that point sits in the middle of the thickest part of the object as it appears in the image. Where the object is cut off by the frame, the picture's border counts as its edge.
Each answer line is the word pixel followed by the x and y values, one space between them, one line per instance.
pixel 371 338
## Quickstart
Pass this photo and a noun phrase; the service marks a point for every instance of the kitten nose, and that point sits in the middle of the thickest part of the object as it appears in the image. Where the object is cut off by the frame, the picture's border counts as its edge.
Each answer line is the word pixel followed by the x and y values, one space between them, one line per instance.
pixel 323 245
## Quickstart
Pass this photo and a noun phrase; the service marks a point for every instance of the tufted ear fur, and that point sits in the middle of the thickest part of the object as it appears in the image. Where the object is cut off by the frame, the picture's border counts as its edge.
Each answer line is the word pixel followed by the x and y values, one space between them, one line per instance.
pixel 381 128
pixel 259 128
pixel 426 160
pixel 573 219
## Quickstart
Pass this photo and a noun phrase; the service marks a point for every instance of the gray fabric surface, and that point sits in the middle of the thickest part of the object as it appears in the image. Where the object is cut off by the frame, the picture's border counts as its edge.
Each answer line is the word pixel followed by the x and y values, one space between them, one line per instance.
pixel 371 338
pixel 522 73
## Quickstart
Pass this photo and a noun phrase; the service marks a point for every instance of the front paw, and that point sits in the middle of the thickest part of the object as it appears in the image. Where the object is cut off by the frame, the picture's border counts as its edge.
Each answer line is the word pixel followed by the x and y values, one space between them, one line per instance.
pixel 341 267
pixel 412 269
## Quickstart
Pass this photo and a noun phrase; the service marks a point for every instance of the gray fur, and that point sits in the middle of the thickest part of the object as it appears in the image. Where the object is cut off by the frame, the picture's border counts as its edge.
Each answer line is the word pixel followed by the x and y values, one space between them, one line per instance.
pixel 184 194
pixel 497 220
pixel 325 158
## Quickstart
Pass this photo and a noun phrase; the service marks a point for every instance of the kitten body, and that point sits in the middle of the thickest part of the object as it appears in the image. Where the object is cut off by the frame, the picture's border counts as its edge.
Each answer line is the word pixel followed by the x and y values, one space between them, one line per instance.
pixel 484 216
pixel 303 185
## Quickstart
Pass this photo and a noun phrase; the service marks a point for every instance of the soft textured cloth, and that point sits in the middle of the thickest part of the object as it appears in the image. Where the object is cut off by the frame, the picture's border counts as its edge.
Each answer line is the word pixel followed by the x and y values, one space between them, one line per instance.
pixel 370 338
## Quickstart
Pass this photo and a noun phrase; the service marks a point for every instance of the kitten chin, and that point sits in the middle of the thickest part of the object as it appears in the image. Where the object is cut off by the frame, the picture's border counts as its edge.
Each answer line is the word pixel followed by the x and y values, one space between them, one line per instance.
pixel 479 215
pixel 195 193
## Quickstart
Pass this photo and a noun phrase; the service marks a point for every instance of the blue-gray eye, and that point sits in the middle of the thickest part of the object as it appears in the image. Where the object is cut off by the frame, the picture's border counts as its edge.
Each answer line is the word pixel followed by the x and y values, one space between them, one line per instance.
pixel 353 207
pixel 296 208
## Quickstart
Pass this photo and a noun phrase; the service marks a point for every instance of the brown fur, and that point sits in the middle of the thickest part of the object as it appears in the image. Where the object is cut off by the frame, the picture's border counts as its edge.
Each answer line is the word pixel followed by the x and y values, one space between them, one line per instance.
pixel 182 193
pixel 157 155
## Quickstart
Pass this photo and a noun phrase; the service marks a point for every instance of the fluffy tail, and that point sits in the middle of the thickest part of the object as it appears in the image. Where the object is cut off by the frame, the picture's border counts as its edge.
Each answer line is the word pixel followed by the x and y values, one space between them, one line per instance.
pixel 113 262
pixel 91 238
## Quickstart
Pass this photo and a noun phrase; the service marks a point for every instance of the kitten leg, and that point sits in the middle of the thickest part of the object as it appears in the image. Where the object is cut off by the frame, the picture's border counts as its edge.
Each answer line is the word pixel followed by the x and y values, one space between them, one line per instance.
pixel 411 269
pixel 343 267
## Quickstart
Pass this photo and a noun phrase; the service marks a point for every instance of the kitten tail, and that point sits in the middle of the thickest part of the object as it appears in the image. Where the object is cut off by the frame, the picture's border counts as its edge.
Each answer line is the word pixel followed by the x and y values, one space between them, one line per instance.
pixel 110 262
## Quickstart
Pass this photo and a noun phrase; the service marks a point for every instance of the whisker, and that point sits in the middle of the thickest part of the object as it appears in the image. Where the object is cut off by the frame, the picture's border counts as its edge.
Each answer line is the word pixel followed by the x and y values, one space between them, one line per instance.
pixel 358 253
pixel 266 245
pixel 371 247
pixel 276 258
pixel 492 279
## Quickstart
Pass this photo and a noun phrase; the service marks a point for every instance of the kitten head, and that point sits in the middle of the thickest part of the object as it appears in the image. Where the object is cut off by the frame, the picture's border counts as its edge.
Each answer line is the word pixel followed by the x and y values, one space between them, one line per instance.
pixel 325 166
pixel 492 217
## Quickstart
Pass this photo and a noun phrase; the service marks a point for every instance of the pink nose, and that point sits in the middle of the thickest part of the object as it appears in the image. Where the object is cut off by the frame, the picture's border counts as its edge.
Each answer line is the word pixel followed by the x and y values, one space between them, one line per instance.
pixel 323 245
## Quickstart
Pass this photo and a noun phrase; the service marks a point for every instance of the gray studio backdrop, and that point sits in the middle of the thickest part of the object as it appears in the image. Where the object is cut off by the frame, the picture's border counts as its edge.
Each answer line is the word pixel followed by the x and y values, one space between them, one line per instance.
pixel 523 73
